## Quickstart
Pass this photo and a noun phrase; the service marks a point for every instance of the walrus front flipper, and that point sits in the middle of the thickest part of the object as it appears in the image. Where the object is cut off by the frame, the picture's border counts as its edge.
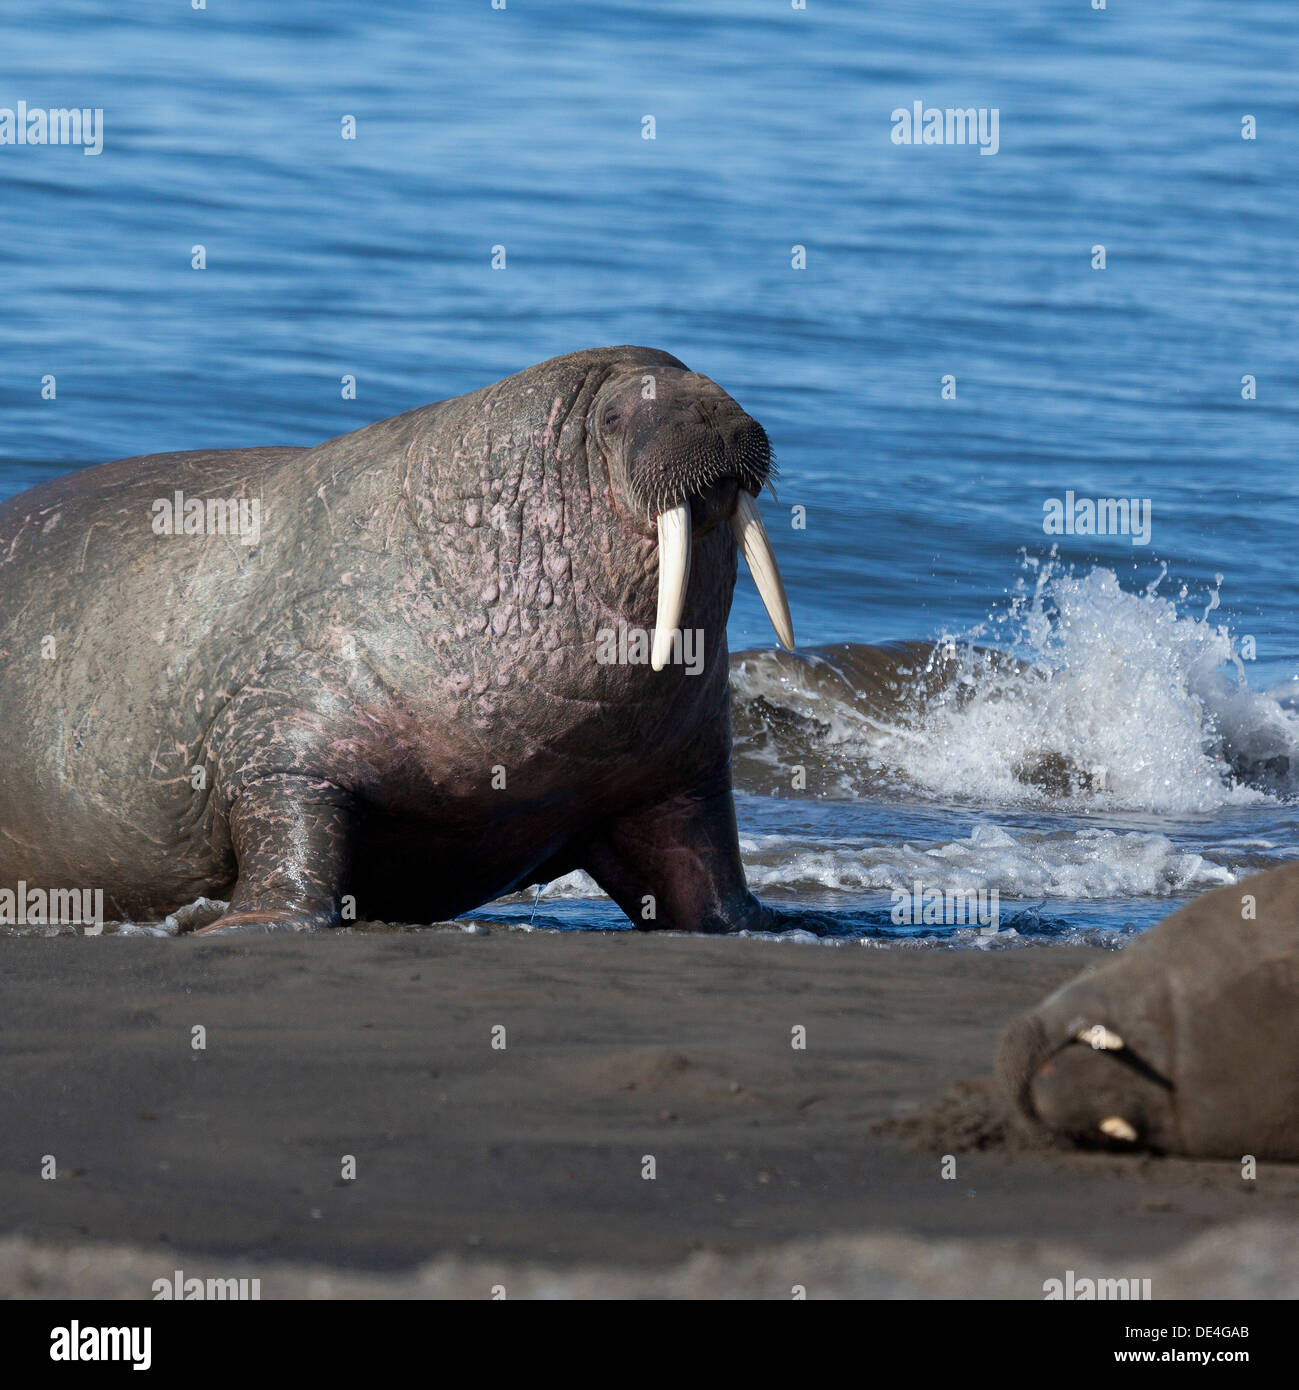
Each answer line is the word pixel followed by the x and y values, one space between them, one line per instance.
pixel 292 838
pixel 677 866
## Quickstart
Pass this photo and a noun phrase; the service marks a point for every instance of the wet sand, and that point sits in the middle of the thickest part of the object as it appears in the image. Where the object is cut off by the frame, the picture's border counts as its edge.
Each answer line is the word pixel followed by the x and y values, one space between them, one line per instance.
pixel 773 1166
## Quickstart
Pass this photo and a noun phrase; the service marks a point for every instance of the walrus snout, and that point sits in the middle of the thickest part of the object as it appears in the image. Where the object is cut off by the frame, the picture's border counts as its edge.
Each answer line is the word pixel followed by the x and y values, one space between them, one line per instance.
pixel 1082 1081
pixel 672 436
pixel 683 454
pixel 1097 1097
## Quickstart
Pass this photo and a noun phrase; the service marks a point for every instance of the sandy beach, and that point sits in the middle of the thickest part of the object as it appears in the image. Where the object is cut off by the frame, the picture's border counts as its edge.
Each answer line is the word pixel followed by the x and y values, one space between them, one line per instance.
pixel 478 1164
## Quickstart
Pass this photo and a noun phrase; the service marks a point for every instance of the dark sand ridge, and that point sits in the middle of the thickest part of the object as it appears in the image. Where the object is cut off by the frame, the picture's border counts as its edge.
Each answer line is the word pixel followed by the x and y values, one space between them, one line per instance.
pixel 619 1046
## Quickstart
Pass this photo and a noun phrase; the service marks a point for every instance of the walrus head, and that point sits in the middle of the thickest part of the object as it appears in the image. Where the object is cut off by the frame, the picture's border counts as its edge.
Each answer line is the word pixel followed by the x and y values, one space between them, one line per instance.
pixel 1082 1080
pixel 1185 1043
pixel 682 457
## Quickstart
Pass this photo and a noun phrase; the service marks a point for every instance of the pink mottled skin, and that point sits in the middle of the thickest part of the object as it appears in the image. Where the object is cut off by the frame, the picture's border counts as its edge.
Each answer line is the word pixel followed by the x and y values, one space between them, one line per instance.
pixel 394 697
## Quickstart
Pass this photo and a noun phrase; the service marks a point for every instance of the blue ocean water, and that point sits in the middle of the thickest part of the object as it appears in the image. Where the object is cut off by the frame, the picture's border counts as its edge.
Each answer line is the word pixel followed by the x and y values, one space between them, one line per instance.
pixel 523 128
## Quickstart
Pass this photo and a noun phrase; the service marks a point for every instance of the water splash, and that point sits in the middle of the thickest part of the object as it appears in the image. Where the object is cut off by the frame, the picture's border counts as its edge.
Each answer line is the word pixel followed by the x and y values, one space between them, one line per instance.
pixel 1098 697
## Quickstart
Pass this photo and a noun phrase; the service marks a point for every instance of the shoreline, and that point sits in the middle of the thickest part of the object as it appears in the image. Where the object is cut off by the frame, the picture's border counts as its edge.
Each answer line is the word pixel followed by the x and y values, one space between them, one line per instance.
pixel 618 1047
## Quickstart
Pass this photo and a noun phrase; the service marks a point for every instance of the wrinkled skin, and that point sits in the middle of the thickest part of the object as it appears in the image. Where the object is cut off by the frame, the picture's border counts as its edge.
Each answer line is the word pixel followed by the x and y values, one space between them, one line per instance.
pixel 1207 1005
pixel 419 620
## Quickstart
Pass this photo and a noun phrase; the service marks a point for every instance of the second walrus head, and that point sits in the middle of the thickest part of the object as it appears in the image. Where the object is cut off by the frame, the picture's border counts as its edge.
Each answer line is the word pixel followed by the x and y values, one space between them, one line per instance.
pixel 1185 1043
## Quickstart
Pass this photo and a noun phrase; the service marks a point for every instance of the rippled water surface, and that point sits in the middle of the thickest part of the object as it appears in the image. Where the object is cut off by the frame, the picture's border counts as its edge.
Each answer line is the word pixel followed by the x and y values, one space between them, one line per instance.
pixel 1146 749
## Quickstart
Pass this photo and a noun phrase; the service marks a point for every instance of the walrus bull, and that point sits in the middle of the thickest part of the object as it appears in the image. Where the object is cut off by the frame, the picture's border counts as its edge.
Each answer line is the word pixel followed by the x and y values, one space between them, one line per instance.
pixel 403 672
pixel 1188 1043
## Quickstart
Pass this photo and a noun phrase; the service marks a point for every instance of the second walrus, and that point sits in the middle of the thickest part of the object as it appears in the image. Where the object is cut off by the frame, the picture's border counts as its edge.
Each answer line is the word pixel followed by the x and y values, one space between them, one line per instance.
pixel 1187 1043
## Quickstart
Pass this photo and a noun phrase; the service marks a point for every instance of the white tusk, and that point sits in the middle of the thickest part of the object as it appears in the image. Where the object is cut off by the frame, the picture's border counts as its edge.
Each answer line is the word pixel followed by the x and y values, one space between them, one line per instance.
pixel 674 576
pixel 746 522
pixel 1100 1037
pixel 1118 1128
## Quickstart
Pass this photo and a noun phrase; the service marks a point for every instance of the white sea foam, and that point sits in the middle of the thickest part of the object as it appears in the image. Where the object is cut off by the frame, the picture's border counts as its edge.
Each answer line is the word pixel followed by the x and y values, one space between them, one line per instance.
pixel 574 885
pixel 1088 864
pixel 1125 701
pixel 1091 863
pixel 1123 687
pixel 1021 864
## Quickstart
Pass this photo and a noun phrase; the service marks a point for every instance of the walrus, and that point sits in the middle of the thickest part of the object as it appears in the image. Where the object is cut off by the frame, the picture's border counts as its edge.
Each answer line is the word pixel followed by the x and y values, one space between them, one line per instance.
pixel 1187 1043
pixel 444 659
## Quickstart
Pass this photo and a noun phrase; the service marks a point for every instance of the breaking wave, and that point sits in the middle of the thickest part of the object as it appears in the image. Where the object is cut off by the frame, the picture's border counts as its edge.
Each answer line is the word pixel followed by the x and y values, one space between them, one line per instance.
pixel 1080 695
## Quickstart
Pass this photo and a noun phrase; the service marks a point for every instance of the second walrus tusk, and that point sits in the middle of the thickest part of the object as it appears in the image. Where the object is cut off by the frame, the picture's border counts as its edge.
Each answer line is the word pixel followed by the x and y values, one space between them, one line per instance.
pixel 746 522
